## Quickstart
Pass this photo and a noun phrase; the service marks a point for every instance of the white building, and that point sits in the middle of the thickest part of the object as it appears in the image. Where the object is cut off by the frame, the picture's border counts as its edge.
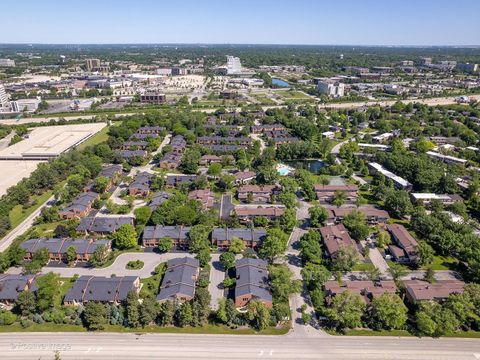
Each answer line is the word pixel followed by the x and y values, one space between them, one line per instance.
pixel 7 62
pixel 398 181
pixel 4 103
pixel 331 88
pixel 28 105
pixel 234 66
pixel 446 158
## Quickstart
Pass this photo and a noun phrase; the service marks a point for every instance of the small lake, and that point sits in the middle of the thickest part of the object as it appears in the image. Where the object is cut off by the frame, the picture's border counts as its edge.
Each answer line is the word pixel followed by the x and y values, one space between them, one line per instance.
pixel 313 166
pixel 279 82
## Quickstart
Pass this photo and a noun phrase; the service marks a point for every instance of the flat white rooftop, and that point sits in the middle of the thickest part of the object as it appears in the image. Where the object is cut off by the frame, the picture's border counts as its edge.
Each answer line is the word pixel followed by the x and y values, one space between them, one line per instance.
pixel 14 171
pixel 50 141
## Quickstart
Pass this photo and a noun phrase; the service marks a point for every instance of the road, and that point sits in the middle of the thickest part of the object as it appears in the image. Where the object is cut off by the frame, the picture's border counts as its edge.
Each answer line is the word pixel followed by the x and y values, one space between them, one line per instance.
pixel 151 260
pixel 5 142
pixel 22 228
pixel 23 346
pixel 56 118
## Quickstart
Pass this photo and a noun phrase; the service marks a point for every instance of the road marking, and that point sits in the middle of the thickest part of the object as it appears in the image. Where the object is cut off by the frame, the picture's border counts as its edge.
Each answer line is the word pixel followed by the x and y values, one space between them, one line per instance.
pixel 260 353
pixel 477 355
pixel 87 351
pixel 270 353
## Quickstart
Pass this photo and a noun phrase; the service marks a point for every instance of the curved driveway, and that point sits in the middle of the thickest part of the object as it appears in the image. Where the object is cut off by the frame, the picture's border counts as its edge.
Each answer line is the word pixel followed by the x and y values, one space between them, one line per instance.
pixel 151 260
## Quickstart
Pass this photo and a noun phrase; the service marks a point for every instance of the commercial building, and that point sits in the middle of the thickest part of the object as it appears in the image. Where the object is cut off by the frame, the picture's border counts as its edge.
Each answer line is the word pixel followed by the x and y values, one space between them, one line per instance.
pixel 234 66
pixel 4 103
pixel 153 98
pixel 25 105
pixel 331 88
pixel 113 290
pixel 179 281
pixel 92 64
pixel 252 282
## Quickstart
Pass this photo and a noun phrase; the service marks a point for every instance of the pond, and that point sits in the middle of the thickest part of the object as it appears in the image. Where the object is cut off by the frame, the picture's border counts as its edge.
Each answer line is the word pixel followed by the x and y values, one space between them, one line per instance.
pixel 313 166
pixel 279 82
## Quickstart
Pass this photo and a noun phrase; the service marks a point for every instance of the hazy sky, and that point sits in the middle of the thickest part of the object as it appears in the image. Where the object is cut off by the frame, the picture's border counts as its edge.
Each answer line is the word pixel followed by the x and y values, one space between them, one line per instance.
pixel 363 22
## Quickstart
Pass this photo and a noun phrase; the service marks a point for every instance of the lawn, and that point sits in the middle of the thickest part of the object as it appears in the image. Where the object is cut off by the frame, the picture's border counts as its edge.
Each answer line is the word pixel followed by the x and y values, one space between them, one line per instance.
pixel 98 138
pixel 442 263
pixel 19 214
pixel 369 332
pixel 363 267
pixel 135 265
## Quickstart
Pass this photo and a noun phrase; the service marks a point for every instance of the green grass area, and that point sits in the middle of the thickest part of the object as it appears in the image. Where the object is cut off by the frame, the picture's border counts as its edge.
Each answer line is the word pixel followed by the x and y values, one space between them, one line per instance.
pixel 263 100
pixel 369 332
pixel 363 267
pixel 65 285
pixel 151 285
pixel 98 138
pixel 292 94
pixel 135 265
pixel 442 263
pixel 46 230
pixel 19 214
pixel 207 329
pixel 115 254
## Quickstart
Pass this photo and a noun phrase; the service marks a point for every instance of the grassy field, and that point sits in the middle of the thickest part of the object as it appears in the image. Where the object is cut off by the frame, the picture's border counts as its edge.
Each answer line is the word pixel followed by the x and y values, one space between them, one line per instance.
pixel 98 138
pixel 18 213
pixel 363 267
pixel 207 329
pixel 369 332
pixel 442 263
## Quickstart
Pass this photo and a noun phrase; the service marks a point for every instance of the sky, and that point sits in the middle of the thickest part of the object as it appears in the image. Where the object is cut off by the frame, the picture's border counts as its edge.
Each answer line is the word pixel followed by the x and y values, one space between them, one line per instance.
pixel 322 22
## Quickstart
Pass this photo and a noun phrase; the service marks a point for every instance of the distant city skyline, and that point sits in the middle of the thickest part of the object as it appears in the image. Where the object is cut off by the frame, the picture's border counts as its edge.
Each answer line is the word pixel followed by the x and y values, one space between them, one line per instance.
pixel 308 22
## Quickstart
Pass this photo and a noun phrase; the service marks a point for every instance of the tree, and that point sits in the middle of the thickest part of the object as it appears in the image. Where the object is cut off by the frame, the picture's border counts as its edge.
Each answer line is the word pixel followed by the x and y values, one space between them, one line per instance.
pixel 7 317
pixel 282 282
pixel 315 275
pixel 372 274
pixel 190 161
pixel 424 253
pixel 100 184
pixel 339 198
pixel 185 314
pixel 221 313
pixel 167 313
pixel 26 303
pixel 95 315
pixel 47 291
pixel 345 259
pixel 133 315
pixel 148 309
pixel 274 244
pixel 346 310
pixel 258 314
pixel 71 254
pixel 236 245
pixel 356 223
pixel 388 312
pixel 214 169
pixel 318 216
pixel 289 199
pixel 288 220
pixel 198 236
pixel 397 203
pixel 165 244
pixel 433 319
pixel 201 306
pixel 429 274
pixel 204 256
pixel 99 256
pixel 383 239
pixel 310 249
pixel 142 214
pixel 227 260
pixel 125 237
pixel 397 271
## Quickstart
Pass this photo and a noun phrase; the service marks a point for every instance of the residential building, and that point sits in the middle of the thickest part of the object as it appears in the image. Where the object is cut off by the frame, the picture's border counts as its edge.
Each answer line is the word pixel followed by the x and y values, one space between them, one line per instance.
pixel 4 102
pixel 175 180
pixel 426 198
pixel 399 182
pixel 151 130
pixel 92 64
pixel 158 198
pixel 12 285
pixel 113 290
pixel 7 63
pixel 419 290
pixel 446 158
pixel 179 235
pixel 336 237
pixel 404 248
pixel 205 196
pixel 141 184
pixel 257 194
pixel 127 154
pixel 244 177
pixel 57 248
pixel 326 193
pixel 214 159
pixel 222 237
pixel 80 207
pixel 135 145
pixel 180 280
pixel 373 215
pixel 247 213
pixel 252 282
pixel 103 224
pixel 234 66
pixel 367 289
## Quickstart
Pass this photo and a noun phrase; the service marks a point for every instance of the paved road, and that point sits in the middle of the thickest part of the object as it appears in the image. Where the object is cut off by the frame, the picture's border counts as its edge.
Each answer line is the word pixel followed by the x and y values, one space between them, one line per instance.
pixel 5 142
pixel 151 260
pixel 66 118
pixel 23 346
pixel 217 275
pixel 22 228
